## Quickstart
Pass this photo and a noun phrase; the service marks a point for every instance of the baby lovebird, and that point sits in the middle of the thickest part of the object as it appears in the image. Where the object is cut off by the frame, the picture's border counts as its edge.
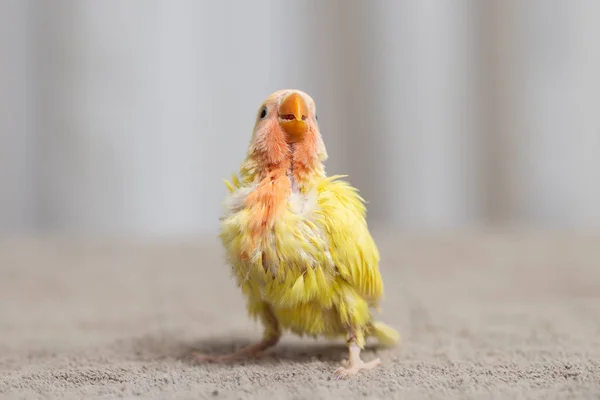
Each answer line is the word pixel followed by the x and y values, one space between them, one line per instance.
pixel 297 240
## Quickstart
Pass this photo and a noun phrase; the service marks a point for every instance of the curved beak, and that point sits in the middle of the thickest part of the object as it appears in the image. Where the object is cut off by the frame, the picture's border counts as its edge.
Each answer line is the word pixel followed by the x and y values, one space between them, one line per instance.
pixel 293 113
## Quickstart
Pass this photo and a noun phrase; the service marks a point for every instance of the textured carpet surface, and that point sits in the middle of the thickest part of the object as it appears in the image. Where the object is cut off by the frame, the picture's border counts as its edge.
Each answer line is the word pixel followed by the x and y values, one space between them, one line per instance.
pixel 482 316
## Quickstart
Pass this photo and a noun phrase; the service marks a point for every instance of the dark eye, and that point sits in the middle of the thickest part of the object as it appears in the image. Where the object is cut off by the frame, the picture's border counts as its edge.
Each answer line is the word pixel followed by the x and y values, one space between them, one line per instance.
pixel 316 118
pixel 263 112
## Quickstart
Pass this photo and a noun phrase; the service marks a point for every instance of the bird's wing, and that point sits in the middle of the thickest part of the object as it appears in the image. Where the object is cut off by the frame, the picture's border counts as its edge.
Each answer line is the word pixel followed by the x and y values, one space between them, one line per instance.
pixel 342 213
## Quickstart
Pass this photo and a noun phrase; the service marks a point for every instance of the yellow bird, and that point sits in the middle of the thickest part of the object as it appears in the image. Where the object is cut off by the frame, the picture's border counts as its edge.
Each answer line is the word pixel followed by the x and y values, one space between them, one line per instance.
pixel 297 240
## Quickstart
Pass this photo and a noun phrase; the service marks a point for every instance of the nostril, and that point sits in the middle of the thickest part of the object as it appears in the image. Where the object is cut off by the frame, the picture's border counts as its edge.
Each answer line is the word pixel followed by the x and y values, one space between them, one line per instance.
pixel 288 117
pixel 304 118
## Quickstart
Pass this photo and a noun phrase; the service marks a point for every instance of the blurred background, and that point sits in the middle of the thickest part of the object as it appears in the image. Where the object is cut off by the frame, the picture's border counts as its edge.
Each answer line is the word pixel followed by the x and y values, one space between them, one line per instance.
pixel 123 117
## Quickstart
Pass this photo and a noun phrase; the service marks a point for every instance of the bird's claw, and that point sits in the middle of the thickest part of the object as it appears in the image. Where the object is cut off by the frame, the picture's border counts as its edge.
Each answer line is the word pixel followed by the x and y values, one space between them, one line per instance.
pixel 347 369
pixel 343 373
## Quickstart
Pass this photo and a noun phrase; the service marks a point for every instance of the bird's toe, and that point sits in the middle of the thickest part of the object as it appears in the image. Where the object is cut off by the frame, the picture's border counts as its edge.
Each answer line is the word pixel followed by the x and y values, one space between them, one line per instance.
pixel 371 364
pixel 205 358
pixel 347 369
pixel 343 373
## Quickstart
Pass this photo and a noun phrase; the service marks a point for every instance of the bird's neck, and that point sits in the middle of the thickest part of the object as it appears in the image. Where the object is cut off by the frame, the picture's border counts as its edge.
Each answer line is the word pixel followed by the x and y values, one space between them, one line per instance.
pixel 274 183
pixel 299 170
pixel 302 171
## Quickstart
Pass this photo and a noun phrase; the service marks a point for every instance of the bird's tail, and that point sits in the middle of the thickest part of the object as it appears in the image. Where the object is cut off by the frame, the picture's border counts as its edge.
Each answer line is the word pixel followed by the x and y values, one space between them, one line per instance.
pixel 384 333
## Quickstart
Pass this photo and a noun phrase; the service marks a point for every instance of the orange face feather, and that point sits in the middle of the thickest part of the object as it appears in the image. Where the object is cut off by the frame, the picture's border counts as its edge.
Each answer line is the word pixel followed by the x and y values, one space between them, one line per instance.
pixel 285 153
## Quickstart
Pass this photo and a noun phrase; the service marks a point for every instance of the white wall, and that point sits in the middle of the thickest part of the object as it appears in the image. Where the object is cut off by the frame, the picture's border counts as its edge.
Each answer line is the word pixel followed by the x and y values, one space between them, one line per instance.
pixel 17 109
pixel 123 117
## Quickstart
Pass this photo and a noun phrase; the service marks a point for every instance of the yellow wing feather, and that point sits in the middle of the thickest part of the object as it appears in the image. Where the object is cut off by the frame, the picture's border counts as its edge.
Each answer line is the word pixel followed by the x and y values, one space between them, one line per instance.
pixel 234 184
pixel 342 212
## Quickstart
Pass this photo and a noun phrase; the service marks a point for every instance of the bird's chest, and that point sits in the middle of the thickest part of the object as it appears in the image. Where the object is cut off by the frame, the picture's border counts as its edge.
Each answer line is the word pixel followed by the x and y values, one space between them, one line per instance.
pixel 279 255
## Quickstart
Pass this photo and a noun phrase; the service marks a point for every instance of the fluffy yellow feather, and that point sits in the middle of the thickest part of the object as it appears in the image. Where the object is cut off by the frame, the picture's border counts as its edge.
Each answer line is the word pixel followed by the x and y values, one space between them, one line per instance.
pixel 297 240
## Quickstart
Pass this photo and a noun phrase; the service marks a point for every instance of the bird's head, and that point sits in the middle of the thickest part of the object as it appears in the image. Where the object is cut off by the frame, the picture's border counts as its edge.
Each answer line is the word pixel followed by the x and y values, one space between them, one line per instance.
pixel 287 131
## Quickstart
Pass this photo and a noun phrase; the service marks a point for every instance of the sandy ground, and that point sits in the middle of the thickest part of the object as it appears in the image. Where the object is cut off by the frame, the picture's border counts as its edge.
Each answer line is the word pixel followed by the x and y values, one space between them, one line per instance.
pixel 482 316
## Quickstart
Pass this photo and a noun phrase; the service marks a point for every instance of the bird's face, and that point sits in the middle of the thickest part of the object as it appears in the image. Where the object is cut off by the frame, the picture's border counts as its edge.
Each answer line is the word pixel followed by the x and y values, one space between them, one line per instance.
pixel 287 119
pixel 289 111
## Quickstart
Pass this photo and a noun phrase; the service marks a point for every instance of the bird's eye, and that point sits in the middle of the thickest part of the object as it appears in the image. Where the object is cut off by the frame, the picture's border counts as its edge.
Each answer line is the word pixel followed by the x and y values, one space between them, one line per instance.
pixel 263 112
pixel 316 118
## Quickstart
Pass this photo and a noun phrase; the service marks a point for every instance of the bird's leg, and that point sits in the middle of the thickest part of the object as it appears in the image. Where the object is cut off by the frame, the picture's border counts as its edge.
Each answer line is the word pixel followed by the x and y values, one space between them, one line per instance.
pixel 271 337
pixel 250 351
pixel 354 363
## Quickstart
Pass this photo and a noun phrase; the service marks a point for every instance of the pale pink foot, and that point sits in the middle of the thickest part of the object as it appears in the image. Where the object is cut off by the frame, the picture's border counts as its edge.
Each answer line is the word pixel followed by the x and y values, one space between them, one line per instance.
pixel 354 364
pixel 251 351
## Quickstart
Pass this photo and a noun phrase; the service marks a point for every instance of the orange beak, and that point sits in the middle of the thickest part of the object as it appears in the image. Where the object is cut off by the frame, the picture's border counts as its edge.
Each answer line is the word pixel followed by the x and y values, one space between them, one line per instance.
pixel 293 113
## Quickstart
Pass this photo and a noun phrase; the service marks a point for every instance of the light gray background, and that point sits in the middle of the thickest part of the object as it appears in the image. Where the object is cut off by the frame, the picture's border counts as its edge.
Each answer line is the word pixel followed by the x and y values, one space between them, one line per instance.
pixel 123 117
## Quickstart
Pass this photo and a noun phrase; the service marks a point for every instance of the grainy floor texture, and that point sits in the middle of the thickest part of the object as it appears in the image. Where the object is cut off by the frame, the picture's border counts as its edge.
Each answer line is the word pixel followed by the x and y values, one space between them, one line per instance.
pixel 497 315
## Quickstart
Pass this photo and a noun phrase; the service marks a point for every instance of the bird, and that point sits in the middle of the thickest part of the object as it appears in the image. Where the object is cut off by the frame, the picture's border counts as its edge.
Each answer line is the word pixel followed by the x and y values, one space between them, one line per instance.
pixel 297 240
